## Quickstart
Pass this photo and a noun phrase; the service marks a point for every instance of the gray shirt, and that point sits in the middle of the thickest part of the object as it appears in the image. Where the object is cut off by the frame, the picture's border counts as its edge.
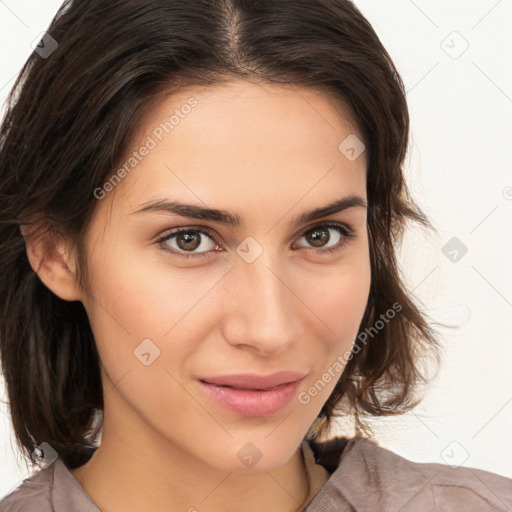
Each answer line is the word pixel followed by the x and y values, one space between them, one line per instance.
pixel 363 476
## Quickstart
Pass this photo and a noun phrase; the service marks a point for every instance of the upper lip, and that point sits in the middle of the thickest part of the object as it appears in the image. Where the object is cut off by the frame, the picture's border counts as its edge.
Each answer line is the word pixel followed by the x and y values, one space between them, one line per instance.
pixel 253 381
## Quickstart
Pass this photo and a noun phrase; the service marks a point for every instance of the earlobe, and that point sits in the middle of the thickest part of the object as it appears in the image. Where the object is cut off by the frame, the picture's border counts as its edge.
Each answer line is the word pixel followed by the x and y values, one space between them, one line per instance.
pixel 54 263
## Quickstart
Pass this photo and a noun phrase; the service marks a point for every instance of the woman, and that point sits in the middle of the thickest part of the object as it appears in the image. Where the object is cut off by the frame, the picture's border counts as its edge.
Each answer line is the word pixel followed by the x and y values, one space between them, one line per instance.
pixel 201 203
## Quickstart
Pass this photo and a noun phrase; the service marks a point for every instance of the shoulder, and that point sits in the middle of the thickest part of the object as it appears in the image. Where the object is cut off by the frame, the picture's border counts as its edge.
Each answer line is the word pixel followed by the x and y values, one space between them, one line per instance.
pixel 33 494
pixel 370 477
pixel 52 489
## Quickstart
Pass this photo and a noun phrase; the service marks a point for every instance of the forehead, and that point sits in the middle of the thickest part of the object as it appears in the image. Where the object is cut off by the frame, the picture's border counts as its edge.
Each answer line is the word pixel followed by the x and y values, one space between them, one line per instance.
pixel 247 140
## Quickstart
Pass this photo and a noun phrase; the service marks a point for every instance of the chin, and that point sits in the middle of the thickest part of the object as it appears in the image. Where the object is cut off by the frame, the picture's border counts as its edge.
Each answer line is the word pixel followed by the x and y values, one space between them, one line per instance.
pixel 254 456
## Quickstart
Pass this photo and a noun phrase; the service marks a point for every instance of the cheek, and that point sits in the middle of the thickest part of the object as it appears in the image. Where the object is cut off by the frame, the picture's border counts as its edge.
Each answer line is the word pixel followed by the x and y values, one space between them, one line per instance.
pixel 339 300
pixel 141 323
pixel 142 294
pixel 340 303
pixel 138 299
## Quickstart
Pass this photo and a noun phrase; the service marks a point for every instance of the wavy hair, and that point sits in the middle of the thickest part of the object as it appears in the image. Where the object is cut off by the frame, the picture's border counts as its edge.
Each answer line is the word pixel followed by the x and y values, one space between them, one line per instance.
pixel 67 126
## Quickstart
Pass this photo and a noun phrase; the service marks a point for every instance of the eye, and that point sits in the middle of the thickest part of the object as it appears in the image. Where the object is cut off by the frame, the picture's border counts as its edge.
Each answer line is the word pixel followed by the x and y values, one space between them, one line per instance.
pixel 187 240
pixel 184 241
pixel 319 236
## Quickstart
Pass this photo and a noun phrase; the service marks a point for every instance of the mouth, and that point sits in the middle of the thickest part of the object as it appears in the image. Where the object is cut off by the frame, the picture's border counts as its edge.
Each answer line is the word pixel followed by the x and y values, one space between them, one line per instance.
pixel 260 400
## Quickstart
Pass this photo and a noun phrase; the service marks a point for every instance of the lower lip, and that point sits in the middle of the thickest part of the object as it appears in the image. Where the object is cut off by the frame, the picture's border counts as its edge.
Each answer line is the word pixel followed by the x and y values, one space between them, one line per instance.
pixel 252 403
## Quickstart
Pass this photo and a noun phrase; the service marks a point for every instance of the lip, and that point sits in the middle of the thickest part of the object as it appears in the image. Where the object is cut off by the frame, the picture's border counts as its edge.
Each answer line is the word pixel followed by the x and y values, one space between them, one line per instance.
pixel 254 381
pixel 253 395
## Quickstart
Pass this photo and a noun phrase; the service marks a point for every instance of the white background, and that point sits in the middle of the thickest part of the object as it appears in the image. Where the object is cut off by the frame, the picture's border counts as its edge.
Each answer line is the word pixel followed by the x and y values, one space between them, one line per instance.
pixel 459 170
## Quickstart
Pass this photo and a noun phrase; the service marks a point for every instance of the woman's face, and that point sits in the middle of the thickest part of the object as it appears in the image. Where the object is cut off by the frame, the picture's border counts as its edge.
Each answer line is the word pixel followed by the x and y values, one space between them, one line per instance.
pixel 259 296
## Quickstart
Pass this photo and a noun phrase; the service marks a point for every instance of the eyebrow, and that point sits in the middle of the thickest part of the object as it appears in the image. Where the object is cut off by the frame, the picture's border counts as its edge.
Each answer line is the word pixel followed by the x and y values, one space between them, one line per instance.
pixel 194 211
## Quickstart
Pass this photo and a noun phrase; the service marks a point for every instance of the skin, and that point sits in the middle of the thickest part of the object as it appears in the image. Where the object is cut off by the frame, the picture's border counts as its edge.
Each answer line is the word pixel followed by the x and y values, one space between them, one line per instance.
pixel 267 153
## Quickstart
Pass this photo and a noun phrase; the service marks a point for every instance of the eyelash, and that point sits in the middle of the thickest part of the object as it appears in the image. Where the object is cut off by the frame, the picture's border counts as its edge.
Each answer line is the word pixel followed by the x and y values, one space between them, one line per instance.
pixel 340 228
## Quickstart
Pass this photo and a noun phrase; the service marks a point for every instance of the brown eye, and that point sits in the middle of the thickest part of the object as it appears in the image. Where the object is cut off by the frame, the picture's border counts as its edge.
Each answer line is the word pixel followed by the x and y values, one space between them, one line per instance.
pixel 187 241
pixel 318 237
pixel 321 237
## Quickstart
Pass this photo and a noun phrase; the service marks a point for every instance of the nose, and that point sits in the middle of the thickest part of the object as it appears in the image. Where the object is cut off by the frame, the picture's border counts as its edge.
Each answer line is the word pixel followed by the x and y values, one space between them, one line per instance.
pixel 263 315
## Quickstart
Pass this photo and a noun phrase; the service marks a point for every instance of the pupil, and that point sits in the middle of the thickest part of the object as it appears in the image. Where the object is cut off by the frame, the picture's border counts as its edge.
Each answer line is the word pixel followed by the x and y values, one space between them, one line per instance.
pixel 189 239
pixel 323 238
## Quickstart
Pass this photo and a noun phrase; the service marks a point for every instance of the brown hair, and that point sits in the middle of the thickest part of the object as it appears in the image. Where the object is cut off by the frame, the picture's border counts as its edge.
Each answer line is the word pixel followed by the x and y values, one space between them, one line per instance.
pixel 68 122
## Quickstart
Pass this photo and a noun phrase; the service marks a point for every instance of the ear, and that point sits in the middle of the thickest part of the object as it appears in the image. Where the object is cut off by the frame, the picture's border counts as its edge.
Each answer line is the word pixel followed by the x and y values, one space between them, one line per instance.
pixel 53 260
